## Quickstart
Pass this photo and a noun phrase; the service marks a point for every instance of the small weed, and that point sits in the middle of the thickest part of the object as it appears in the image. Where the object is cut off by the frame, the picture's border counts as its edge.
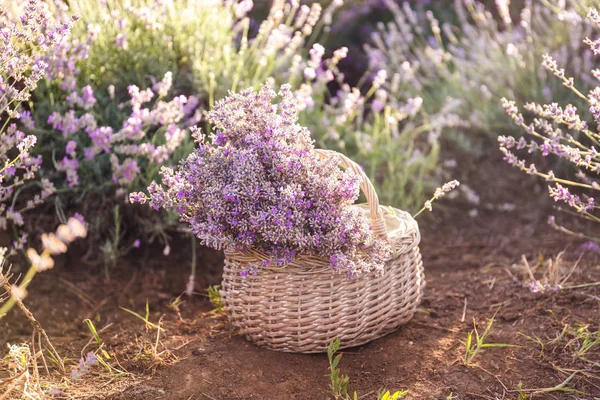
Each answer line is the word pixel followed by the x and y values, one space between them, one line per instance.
pixel 535 339
pixel 100 356
pixel 175 305
pixel 546 274
pixel 93 331
pixel 339 382
pixel 146 318
pixel 111 249
pixel 585 341
pixel 579 341
pixel 476 343
pixel 215 298
pixel 149 351
pixel 387 395
pixel 522 395
pixel 176 302
pixel 55 358
pixel 114 247
pixel 525 394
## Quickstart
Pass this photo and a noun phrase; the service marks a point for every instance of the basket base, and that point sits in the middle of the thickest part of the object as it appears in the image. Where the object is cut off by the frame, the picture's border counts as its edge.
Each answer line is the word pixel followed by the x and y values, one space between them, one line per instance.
pixel 312 348
pixel 295 311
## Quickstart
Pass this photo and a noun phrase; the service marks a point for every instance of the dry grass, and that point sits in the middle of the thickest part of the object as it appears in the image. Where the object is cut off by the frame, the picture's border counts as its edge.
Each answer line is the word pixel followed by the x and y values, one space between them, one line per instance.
pixel 22 380
pixel 545 274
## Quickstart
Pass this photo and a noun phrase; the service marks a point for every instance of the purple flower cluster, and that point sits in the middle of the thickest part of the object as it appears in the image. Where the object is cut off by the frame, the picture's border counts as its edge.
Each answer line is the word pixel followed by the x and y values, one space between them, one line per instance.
pixel 259 183
pixel 64 59
pixel 17 166
pixel 132 142
pixel 24 39
pixel 84 366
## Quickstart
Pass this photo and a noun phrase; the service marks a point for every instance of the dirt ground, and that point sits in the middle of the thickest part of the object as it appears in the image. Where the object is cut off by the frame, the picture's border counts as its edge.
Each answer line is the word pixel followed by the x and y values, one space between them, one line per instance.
pixel 474 269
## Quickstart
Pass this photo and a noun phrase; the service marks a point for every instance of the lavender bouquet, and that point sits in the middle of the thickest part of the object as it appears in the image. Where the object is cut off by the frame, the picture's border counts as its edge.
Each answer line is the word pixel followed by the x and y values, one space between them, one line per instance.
pixel 257 182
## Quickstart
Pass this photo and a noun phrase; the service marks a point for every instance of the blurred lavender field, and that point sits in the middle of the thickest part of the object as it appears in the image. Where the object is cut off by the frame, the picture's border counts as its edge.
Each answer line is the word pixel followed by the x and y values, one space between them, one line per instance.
pixel 104 101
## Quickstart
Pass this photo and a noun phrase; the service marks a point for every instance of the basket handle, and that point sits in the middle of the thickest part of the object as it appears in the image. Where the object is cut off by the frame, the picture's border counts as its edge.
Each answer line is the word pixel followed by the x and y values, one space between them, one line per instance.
pixel 377 220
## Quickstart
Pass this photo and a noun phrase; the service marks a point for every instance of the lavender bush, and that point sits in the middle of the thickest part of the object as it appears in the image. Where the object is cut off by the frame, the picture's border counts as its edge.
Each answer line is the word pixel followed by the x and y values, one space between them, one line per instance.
pixel 23 44
pixel 482 56
pixel 384 130
pixel 103 134
pixel 258 183
pixel 119 96
pixel 98 156
pixel 562 132
pixel 210 46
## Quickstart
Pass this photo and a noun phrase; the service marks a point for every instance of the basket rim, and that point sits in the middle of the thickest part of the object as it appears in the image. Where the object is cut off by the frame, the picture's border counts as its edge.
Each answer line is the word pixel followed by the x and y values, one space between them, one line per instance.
pixel 407 226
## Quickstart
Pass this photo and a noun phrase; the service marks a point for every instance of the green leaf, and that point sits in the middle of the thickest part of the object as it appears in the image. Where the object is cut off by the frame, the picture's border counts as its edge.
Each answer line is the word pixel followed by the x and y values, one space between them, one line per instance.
pixel 93 330
pixel 142 318
pixel 336 361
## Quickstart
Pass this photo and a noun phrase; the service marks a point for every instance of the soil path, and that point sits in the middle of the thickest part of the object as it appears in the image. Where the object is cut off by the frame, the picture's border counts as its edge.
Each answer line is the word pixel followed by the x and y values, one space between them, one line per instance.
pixel 472 273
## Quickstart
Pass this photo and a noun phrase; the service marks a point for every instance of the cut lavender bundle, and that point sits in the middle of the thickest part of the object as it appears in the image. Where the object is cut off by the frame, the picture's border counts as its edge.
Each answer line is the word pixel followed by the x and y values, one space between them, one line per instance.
pixel 258 183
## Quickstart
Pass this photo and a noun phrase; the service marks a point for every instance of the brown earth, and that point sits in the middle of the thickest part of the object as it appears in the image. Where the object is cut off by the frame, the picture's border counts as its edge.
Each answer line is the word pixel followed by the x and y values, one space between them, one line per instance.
pixel 472 273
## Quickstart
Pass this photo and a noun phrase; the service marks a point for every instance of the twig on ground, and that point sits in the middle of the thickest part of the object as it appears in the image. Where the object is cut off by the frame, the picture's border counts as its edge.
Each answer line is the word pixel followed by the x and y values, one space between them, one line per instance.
pixel 81 295
pixel 527 268
pixel 583 285
pixel 443 328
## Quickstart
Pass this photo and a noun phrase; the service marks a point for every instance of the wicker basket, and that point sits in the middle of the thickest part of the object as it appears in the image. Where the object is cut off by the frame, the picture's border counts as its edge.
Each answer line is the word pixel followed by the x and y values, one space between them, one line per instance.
pixel 303 306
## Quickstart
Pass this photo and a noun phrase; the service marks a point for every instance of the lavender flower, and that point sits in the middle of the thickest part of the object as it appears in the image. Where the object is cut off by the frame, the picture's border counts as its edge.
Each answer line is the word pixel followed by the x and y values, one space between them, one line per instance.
pixel 592 246
pixel 550 134
pixel 438 194
pixel 53 243
pixel 84 366
pixel 56 243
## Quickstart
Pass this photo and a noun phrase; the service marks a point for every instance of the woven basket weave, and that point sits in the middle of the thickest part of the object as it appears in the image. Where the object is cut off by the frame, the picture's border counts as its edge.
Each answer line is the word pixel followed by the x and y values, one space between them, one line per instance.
pixel 303 306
